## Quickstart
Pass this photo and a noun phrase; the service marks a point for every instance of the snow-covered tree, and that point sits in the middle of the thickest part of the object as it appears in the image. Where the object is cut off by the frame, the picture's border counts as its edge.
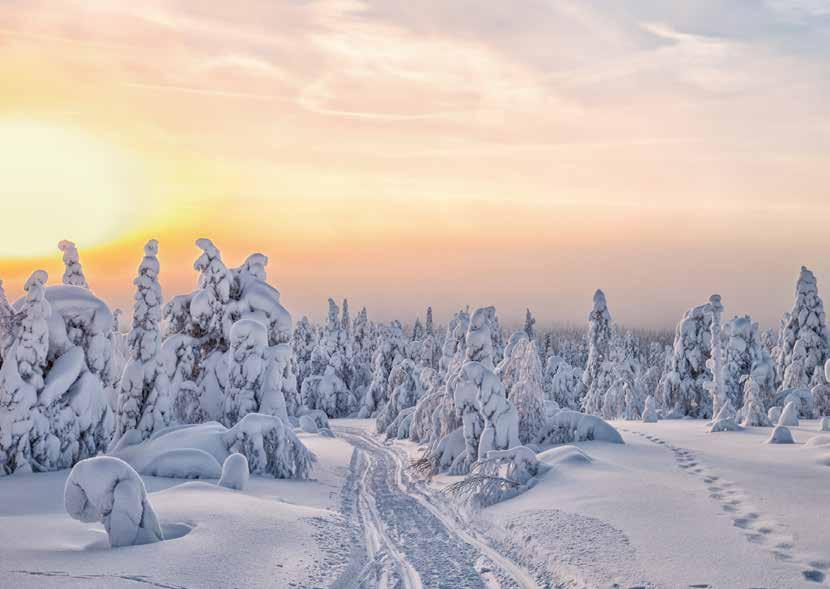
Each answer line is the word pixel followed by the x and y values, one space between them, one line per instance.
pixel 744 354
pixel 21 377
pixel 405 391
pixel 562 382
pixel 246 370
pixel 302 343
pixel 144 402
pixel 805 328
pixel 8 318
pixel 417 330
pixel 597 378
pixel 363 340
pixel 529 329
pixel 73 274
pixel 716 386
pixel 429 329
pixel 345 319
pixel 682 387
pixel 796 375
pixel 527 393
pixel 389 351
pixel 650 411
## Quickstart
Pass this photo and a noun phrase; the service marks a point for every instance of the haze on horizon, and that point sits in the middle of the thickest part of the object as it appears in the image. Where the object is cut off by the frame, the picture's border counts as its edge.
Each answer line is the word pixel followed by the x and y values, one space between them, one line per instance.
pixel 444 153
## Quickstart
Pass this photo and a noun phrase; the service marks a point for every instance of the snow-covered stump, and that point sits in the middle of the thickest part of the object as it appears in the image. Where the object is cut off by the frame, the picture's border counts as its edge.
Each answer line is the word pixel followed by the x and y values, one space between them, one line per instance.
pixel 107 490
pixel 780 435
pixel 789 417
pixel 650 412
pixel 235 473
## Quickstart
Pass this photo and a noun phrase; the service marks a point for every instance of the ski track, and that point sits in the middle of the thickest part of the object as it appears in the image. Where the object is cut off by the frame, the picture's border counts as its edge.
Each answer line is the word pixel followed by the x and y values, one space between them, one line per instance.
pixel 756 528
pixel 410 542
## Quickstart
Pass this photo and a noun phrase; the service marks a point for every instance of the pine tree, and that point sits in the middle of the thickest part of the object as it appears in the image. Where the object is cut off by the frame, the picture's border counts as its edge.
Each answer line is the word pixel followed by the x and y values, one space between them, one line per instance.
pixel 530 321
pixel 429 327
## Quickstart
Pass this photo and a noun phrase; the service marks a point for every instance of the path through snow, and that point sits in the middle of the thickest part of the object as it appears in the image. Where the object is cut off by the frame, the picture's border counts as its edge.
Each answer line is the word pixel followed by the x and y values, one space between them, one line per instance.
pixel 410 542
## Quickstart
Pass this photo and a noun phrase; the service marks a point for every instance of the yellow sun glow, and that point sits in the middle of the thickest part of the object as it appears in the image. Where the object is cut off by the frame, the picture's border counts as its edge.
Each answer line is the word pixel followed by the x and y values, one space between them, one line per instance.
pixel 59 182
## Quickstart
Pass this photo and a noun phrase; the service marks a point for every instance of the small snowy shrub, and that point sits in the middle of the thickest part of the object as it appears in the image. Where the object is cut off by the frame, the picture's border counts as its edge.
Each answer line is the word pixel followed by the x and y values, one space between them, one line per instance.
pixel 108 490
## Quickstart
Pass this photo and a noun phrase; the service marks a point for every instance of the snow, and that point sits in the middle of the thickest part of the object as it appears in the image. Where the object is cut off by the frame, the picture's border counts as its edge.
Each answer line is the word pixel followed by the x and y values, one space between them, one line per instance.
pixel 235 472
pixel 108 490
pixel 781 435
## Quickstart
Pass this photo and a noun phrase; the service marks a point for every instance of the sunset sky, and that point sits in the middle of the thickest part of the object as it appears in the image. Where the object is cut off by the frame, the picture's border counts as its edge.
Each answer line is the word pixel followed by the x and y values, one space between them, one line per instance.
pixel 437 152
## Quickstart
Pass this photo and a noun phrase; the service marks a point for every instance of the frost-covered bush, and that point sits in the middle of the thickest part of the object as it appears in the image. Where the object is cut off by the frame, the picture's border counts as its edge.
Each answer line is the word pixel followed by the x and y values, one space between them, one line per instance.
pixel 501 475
pixel 597 375
pixel 565 427
pixel 235 472
pixel 144 402
pixel 682 388
pixel 107 490
pixel 804 338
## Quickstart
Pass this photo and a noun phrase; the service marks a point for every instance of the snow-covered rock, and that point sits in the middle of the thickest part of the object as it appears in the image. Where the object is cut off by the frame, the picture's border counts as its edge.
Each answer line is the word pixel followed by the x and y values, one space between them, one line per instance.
pixel 107 490
pixel 780 435
pixel 235 472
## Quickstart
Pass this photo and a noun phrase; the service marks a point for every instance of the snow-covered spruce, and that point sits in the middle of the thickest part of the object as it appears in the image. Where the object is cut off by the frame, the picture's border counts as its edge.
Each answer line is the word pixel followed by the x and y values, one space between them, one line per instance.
pixel 682 388
pixel 745 356
pixel 246 370
pixel 235 472
pixel 73 274
pixel 302 344
pixel 501 419
pixel 8 321
pixel 716 385
pixel 805 328
pixel 268 442
pixel 54 404
pixel 529 328
pixel 406 390
pixel 774 414
pixel 389 351
pixel 597 377
pixel 521 375
pixel 562 382
pixel 144 402
pixel 107 490
pixel 565 427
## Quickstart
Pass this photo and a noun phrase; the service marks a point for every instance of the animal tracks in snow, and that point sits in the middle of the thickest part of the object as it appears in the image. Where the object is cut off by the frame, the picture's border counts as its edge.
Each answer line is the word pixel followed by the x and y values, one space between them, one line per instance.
pixel 750 522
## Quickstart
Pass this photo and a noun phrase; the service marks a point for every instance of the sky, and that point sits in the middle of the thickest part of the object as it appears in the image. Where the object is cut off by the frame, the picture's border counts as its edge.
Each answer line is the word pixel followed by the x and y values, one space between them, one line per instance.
pixel 405 154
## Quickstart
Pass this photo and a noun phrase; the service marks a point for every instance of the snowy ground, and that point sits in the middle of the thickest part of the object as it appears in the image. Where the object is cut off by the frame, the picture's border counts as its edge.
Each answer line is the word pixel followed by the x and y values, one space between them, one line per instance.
pixel 673 507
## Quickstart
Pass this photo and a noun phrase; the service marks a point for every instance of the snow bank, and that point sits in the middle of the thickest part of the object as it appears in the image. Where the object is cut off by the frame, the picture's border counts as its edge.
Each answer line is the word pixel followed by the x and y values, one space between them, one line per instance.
pixel 184 463
pixel 268 443
pixel 108 490
pixel 780 435
pixel 571 426
pixel 818 442
pixel 235 472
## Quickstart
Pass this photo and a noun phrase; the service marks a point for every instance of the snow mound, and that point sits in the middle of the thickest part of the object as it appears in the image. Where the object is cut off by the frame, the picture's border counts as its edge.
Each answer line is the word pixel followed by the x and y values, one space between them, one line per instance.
pixel 268 443
pixel 184 463
pixel 780 435
pixel 564 455
pixel 819 442
pixel 107 490
pixel 571 426
pixel 724 425
pixel 824 424
pixel 235 472
pixel 789 417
